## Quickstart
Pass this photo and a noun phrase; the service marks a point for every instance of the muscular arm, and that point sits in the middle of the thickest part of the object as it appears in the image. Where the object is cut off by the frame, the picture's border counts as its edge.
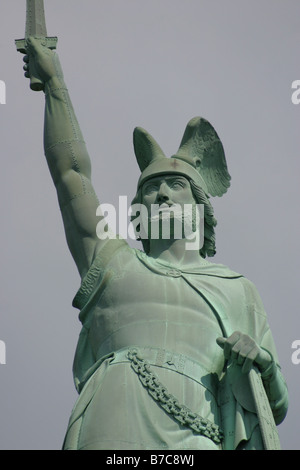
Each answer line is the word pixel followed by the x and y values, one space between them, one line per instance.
pixel 68 160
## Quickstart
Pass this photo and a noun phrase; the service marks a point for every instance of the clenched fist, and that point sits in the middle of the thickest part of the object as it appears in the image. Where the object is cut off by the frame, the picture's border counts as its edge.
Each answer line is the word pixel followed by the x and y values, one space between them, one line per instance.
pixel 41 62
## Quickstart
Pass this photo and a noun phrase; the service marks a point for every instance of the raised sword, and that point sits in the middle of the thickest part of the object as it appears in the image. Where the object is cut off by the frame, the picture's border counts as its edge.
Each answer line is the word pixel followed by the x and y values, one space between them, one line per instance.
pixel 36 27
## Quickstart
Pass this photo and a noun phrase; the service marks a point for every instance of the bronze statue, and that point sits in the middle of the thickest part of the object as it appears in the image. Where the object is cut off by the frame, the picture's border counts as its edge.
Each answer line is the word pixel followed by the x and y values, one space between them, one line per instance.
pixel 169 339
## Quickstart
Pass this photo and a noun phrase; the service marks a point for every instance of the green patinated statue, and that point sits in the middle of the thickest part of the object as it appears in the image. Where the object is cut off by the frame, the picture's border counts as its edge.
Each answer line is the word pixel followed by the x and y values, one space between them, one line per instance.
pixel 169 339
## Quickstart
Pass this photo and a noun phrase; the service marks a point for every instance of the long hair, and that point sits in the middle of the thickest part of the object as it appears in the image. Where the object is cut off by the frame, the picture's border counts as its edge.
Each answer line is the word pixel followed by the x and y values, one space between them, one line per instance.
pixel 209 245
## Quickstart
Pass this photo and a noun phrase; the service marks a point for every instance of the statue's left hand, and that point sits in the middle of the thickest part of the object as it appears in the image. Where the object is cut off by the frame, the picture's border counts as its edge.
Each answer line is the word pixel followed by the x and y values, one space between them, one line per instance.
pixel 243 350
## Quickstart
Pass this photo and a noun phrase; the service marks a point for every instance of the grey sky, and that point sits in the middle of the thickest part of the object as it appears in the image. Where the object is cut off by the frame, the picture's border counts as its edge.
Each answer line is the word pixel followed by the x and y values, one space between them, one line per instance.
pixel 154 64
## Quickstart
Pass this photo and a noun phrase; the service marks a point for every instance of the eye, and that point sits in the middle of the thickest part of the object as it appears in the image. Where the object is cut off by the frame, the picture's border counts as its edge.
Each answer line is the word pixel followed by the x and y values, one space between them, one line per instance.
pixel 150 188
pixel 177 184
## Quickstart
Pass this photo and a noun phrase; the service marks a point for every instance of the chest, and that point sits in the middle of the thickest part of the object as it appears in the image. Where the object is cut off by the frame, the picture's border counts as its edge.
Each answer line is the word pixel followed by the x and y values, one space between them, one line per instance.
pixel 166 290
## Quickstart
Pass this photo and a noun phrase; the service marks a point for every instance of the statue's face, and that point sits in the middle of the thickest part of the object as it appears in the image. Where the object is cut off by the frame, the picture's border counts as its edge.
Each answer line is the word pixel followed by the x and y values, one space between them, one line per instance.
pixel 173 196
pixel 168 190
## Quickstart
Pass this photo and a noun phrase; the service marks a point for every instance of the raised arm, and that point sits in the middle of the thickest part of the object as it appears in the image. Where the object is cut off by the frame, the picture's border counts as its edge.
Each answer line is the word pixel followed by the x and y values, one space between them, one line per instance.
pixel 67 158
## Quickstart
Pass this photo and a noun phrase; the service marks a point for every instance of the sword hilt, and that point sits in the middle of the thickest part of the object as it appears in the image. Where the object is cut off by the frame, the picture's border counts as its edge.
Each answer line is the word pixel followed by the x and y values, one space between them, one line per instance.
pixel 35 83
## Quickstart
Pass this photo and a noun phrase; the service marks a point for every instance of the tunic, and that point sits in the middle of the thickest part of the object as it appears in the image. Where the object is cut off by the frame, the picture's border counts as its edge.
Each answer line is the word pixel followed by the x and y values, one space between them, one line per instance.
pixel 172 317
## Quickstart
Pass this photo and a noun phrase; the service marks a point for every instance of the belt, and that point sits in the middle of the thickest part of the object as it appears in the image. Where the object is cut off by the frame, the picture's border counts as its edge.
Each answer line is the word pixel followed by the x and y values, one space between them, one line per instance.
pixel 159 392
pixel 177 362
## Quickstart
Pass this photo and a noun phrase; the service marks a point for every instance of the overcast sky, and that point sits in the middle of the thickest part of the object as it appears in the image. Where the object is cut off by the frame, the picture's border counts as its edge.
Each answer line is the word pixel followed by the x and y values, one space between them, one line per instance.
pixel 155 64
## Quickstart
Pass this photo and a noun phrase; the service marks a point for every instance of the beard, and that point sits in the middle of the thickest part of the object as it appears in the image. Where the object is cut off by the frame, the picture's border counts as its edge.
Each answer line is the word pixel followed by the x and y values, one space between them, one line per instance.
pixel 171 222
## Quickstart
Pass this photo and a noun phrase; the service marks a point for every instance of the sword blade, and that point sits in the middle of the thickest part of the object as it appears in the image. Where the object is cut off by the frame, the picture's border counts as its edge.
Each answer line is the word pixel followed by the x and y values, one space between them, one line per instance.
pixel 35 19
pixel 267 424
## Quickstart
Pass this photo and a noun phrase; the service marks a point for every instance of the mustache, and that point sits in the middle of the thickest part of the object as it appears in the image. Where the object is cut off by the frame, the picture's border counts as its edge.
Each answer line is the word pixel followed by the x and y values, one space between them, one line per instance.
pixel 165 210
pixel 175 212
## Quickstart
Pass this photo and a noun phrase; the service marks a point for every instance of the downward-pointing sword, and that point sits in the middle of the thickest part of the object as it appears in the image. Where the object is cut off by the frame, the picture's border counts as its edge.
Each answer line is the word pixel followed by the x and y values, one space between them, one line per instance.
pixel 267 424
pixel 36 27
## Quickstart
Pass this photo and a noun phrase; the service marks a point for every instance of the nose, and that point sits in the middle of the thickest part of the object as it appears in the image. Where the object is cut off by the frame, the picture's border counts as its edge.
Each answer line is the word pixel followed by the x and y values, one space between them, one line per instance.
pixel 163 194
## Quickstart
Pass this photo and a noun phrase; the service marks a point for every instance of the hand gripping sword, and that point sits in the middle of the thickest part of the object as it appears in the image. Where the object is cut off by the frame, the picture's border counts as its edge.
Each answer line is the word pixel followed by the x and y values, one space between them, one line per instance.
pixel 36 27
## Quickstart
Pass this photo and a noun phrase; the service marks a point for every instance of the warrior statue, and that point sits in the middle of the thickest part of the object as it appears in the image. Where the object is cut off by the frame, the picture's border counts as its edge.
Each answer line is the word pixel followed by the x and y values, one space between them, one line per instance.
pixel 169 340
